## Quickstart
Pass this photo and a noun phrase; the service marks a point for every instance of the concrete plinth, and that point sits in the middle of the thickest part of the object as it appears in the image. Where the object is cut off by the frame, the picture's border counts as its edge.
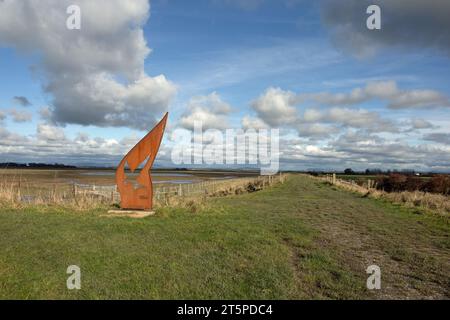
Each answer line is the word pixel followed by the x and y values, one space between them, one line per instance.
pixel 129 213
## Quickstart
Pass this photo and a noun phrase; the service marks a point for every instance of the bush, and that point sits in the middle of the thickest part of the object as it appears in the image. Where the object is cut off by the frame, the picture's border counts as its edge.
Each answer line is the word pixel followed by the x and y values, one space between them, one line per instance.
pixel 439 184
pixel 393 183
pixel 400 182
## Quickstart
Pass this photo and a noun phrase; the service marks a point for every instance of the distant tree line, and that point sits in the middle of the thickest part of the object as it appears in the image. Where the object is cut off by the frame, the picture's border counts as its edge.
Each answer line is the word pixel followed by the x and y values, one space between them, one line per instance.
pixel 378 171
pixel 350 171
pixel 32 165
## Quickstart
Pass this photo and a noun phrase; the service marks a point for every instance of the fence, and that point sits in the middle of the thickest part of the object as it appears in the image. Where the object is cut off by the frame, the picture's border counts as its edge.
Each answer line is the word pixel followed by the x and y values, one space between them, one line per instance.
pixel 350 184
pixel 165 194
pixel 434 202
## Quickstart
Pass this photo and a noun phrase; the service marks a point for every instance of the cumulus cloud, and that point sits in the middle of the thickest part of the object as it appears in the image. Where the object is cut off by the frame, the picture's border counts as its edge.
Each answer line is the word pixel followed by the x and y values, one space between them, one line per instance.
pixel 405 24
pixel 253 123
pixel 276 107
pixel 279 108
pixel 20 100
pixel 361 118
pixel 419 99
pixel 95 75
pixel 210 110
pixel 50 133
pixel 21 116
pixel 2 116
pixel 383 90
pixel 317 124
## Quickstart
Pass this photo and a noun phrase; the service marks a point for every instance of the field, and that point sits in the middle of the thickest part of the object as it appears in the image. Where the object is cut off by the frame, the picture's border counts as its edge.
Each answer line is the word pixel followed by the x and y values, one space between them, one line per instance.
pixel 302 239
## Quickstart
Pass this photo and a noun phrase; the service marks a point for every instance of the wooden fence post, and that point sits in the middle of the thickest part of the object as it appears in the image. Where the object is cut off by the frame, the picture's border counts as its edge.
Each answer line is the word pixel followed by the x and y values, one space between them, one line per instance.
pixel 74 190
pixel 18 191
pixel 54 192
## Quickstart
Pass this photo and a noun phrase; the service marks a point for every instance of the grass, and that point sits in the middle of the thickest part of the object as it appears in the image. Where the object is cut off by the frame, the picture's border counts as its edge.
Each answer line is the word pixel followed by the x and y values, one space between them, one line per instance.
pixel 301 239
pixel 431 202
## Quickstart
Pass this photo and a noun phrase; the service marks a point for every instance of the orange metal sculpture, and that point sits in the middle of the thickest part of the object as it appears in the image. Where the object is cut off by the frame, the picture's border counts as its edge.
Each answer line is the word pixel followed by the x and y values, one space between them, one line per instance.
pixel 140 197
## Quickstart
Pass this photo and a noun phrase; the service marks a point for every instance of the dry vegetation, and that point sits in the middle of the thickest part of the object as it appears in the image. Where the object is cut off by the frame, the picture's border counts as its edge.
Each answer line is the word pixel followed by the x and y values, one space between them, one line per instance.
pixel 15 192
pixel 395 182
pixel 434 202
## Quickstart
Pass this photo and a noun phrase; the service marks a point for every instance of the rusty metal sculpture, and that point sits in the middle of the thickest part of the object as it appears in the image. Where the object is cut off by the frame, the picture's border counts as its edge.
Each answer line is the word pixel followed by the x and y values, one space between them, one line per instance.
pixel 140 197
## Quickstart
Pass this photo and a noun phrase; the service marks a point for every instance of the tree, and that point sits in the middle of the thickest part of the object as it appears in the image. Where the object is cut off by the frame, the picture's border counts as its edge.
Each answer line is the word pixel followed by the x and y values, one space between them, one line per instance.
pixel 349 171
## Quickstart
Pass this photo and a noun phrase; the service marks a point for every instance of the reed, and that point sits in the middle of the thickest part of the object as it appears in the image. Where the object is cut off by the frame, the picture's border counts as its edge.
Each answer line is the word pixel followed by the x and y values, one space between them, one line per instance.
pixel 18 193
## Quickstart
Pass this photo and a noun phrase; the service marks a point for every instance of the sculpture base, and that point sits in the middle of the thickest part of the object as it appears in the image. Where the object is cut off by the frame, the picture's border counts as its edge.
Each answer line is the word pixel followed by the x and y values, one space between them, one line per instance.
pixel 137 214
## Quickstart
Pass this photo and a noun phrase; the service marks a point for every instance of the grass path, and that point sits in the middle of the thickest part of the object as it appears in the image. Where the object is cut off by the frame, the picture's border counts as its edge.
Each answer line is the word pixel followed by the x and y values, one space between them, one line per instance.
pixel 302 239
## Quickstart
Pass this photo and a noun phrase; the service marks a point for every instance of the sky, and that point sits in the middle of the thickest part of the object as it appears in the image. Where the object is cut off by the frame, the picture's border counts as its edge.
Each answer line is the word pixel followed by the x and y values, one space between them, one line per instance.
pixel 342 96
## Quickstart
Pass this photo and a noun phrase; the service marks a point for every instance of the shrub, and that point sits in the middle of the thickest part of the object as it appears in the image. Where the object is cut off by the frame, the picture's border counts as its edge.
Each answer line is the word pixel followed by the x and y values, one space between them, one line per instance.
pixel 439 184
pixel 400 182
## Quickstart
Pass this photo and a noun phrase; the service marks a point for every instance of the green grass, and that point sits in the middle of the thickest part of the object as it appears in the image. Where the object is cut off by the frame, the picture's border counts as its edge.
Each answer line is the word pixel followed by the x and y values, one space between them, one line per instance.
pixel 298 240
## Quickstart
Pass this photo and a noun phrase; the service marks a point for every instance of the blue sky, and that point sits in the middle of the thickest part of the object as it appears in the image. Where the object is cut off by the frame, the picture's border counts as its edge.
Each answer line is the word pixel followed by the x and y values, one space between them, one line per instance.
pixel 230 52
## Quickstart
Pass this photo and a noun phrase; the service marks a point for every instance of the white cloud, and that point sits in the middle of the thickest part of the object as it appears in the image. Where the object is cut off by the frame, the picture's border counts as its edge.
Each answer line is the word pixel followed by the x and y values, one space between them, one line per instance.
pixel 279 108
pixel 419 99
pixel 50 133
pixel 382 90
pixel 359 118
pixel 276 107
pixel 21 116
pixel 312 115
pixel 253 123
pixel 210 110
pixel 95 75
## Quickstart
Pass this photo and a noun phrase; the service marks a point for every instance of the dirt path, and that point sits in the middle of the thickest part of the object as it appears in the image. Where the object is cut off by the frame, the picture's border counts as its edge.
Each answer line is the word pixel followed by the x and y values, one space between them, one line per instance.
pixel 410 248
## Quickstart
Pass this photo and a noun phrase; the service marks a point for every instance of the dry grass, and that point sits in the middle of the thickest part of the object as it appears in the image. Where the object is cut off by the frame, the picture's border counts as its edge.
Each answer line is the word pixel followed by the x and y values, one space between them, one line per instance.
pixel 436 203
pixel 17 193
pixel 195 199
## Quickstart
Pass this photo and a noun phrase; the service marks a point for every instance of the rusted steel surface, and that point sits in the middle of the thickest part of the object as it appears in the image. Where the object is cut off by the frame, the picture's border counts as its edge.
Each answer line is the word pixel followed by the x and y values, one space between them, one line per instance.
pixel 140 196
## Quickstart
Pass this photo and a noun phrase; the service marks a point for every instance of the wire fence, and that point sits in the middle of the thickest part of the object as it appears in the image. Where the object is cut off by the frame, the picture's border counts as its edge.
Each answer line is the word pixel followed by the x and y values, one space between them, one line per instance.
pixel 162 193
pixel 367 185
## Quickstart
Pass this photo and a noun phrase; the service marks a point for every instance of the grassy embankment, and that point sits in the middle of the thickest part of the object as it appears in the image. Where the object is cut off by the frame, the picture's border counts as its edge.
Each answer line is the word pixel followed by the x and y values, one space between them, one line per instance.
pixel 300 239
